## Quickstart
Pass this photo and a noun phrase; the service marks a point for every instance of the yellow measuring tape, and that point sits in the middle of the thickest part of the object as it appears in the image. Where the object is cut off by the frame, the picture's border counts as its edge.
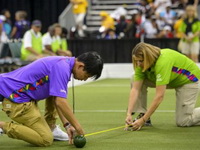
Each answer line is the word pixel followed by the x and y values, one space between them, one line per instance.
pixel 105 130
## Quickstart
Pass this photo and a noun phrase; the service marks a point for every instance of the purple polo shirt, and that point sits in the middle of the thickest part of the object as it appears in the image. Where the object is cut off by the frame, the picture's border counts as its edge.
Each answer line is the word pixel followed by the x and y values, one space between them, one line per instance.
pixel 45 77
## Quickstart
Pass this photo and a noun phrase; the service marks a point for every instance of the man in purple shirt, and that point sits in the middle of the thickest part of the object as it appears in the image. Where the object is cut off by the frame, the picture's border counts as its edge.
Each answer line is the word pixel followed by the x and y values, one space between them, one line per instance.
pixel 45 78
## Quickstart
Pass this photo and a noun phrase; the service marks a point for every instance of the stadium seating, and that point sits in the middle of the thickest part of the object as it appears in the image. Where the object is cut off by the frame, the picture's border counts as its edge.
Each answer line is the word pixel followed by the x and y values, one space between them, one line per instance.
pixel 10 57
pixel 93 20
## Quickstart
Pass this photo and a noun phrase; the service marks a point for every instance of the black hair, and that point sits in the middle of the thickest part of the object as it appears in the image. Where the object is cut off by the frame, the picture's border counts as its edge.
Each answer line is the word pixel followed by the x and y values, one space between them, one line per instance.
pixel 93 63
pixel 64 31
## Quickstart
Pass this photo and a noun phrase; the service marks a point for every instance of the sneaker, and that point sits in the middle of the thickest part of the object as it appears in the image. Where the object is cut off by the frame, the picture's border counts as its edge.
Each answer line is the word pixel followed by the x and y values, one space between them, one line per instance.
pixel 59 135
pixel 1 131
pixel 147 123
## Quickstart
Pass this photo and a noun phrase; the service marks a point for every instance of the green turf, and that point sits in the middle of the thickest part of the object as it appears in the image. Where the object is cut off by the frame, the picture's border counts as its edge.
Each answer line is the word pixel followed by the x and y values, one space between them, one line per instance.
pixel 112 95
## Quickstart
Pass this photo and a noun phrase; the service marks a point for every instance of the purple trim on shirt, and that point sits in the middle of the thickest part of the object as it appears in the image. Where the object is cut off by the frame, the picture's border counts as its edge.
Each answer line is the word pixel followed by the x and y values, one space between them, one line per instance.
pixel 187 73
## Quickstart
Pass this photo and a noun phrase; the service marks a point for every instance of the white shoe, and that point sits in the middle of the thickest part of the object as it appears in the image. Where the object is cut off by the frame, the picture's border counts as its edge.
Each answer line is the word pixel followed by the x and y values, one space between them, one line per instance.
pixel 59 135
pixel 1 131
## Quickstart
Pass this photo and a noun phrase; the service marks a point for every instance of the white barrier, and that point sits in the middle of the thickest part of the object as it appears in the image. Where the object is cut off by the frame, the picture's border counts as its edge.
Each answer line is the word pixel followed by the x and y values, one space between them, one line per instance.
pixel 117 70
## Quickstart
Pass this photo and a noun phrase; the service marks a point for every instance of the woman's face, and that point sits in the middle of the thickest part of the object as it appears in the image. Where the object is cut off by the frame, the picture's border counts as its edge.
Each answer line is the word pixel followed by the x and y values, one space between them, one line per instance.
pixel 190 13
pixel 139 62
pixel 58 31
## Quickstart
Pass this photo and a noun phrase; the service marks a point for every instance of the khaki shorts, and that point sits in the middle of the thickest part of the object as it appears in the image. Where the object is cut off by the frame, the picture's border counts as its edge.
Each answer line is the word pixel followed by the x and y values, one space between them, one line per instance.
pixel 190 48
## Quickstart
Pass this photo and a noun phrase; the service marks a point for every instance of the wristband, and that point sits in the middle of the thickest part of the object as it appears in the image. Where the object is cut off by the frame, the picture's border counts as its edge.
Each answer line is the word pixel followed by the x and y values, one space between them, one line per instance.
pixel 66 125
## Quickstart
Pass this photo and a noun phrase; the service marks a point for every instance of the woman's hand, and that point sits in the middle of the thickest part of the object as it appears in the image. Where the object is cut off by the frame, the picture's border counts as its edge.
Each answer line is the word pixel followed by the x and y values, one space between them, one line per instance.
pixel 128 121
pixel 137 124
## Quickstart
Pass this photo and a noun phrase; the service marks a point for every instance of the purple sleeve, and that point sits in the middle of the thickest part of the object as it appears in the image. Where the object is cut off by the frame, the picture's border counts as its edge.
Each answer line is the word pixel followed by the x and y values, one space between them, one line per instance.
pixel 59 78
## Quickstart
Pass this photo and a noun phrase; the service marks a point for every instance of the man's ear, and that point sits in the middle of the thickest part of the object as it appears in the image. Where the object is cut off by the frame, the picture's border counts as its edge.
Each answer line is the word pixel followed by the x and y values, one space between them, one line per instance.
pixel 81 65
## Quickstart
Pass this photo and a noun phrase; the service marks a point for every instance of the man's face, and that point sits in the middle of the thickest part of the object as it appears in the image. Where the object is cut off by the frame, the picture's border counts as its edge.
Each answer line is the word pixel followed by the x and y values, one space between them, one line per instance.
pixel 80 73
pixel 36 28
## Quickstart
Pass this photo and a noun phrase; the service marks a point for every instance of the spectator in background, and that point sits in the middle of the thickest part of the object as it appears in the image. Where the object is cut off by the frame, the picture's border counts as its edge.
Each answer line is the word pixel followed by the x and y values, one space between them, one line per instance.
pixel 7 23
pixel 121 26
pixel 134 26
pixel 190 29
pixel 168 15
pixel 54 43
pixel 3 36
pixel 47 40
pixel 106 23
pixel 177 25
pixel 160 5
pixel 150 27
pixel 32 42
pixel 57 42
pixel 79 10
pixel 111 35
pixel 145 8
pixel 166 32
pixel 160 22
pixel 21 25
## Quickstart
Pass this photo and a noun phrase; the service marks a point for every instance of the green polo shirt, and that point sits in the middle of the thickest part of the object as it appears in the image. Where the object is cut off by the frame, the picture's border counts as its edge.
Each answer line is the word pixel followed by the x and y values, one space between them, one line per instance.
pixel 195 28
pixel 171 68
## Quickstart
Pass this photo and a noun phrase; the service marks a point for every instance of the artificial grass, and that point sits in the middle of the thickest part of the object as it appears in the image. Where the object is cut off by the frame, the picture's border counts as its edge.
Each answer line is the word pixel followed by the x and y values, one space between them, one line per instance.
pixel 101 105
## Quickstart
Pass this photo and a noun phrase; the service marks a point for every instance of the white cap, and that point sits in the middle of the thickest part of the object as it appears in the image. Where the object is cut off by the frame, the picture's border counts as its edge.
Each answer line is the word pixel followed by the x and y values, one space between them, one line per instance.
pixel 167 28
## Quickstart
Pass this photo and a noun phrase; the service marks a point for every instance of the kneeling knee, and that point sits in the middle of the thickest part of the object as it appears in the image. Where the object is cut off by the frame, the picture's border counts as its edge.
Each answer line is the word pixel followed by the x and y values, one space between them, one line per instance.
pixel 48 141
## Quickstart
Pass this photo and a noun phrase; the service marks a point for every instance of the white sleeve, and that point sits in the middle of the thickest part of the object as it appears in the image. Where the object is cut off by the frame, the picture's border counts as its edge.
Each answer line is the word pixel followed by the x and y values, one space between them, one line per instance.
pixel 46 40
pixel 27 39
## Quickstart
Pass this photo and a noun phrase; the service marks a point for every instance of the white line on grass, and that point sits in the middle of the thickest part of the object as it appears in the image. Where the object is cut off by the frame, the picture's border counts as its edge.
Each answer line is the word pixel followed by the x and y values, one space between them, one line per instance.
pixel 108 85
pixel 118 111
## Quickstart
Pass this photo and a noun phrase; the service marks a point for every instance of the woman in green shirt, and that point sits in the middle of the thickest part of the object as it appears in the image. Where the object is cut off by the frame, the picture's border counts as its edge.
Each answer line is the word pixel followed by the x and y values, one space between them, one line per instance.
pixel 163 68
pixel 190 29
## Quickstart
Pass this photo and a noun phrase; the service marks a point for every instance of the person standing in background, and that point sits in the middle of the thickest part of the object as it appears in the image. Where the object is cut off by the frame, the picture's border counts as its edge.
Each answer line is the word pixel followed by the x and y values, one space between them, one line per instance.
pixel 79 10
pixel 190 30
pixel 21 25
pixel 3 37
pixel 107 23
pixel 7 23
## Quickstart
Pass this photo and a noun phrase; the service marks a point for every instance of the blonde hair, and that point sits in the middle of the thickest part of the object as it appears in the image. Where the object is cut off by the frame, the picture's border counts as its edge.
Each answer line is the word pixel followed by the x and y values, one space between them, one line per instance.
pixel 21 14
pixel 191 8
pixel 146 52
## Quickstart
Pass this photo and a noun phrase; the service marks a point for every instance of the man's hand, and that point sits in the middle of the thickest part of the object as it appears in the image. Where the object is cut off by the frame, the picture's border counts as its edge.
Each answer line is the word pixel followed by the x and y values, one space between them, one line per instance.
pixel 71 133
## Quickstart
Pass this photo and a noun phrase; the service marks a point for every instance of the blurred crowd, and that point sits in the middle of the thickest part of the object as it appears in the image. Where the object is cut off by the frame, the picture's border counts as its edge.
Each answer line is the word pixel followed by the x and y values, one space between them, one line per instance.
pixel 149 19
pixel 34 44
